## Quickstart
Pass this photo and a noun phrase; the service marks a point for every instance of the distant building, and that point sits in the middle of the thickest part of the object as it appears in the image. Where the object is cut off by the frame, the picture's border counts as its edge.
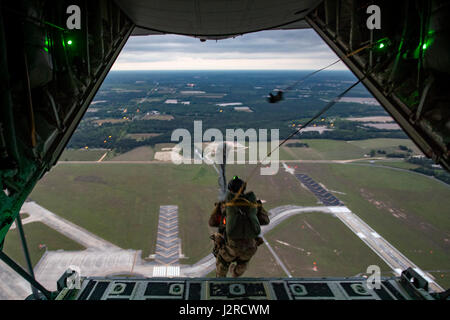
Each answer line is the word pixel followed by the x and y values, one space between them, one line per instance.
pixel 229 104
pixel 363 100
pixel 192 92
pixel 244 109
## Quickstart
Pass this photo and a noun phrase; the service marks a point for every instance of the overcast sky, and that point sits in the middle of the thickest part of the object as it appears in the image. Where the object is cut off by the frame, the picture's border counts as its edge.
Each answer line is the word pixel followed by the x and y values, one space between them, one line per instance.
pixel 276 49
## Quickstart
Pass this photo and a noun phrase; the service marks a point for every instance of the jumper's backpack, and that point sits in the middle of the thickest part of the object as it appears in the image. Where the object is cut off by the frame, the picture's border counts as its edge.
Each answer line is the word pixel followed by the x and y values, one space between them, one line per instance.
pixel 241 219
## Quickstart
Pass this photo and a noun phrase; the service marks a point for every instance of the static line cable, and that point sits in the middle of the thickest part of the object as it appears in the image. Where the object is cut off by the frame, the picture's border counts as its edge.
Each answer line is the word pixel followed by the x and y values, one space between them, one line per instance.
pixel 332 64
pixel 310 75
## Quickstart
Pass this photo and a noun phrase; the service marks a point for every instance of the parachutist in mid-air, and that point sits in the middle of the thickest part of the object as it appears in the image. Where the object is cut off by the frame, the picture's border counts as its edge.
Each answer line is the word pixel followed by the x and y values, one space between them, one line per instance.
pixel 275 98
pixel 239 218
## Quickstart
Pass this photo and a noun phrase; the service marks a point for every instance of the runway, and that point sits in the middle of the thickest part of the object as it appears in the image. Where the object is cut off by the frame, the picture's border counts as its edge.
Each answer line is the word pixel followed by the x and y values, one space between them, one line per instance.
pixel 393 257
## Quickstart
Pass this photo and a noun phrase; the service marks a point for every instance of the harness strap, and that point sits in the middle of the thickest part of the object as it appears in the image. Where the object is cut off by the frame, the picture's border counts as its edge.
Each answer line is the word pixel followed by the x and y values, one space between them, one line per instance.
pixel 242 203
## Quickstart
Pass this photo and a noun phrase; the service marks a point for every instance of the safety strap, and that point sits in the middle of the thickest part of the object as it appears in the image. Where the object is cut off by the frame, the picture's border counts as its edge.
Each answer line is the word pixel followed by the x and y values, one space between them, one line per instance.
pixel 242 203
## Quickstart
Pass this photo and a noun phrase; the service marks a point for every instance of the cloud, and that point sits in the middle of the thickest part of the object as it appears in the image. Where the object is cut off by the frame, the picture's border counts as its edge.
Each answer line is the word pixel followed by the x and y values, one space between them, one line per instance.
pixel 274 49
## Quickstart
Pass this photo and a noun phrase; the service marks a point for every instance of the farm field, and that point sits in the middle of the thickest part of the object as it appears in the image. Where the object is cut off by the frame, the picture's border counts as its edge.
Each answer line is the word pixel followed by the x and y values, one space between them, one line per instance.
pixel 322 149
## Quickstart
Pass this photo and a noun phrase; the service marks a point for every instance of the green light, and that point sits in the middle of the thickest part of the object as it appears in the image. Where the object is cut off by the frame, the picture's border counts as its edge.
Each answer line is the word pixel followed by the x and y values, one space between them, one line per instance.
pixel 69 42
pixel 46 43
pixel 424 46
pixel 382 44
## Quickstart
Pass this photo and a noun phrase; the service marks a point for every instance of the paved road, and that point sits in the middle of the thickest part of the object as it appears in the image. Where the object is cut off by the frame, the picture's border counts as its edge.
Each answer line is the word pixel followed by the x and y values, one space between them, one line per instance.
pixel 90 262
pixel 12 286
pixel 67 228
pixel 393 257
pixel 277 259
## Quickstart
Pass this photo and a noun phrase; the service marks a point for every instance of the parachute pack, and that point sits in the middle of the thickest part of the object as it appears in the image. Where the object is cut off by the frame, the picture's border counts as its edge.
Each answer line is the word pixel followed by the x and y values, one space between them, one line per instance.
pixel 241 216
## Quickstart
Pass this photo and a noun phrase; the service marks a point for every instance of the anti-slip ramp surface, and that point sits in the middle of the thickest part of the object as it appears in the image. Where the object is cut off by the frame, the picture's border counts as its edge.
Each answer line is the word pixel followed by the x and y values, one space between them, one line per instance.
pixel 167 241
pixel 323 195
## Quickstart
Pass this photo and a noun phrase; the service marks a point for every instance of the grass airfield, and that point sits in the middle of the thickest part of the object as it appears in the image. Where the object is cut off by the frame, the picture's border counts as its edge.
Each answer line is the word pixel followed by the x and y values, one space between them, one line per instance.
pixel 37 234
pixel 120 203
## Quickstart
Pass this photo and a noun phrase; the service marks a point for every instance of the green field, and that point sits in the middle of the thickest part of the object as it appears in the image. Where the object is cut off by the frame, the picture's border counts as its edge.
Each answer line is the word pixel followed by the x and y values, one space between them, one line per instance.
pixel 408 210
pixel 120 202
pixel 321 149
pixel 303 240
pixel 37 233
pixel 82 154
pixel 385 143
pixel 401 164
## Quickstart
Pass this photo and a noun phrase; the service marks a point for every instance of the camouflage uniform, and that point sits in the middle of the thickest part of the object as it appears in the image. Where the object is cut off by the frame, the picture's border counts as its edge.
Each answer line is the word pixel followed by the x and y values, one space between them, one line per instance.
pixel 239 251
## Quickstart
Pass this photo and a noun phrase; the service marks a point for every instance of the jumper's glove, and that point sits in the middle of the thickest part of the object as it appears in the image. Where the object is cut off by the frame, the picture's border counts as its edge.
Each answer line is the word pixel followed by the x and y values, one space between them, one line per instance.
pixel 259 241
pixel 214 218
pixel 218 239
pixel 262 214
pixel 219 242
